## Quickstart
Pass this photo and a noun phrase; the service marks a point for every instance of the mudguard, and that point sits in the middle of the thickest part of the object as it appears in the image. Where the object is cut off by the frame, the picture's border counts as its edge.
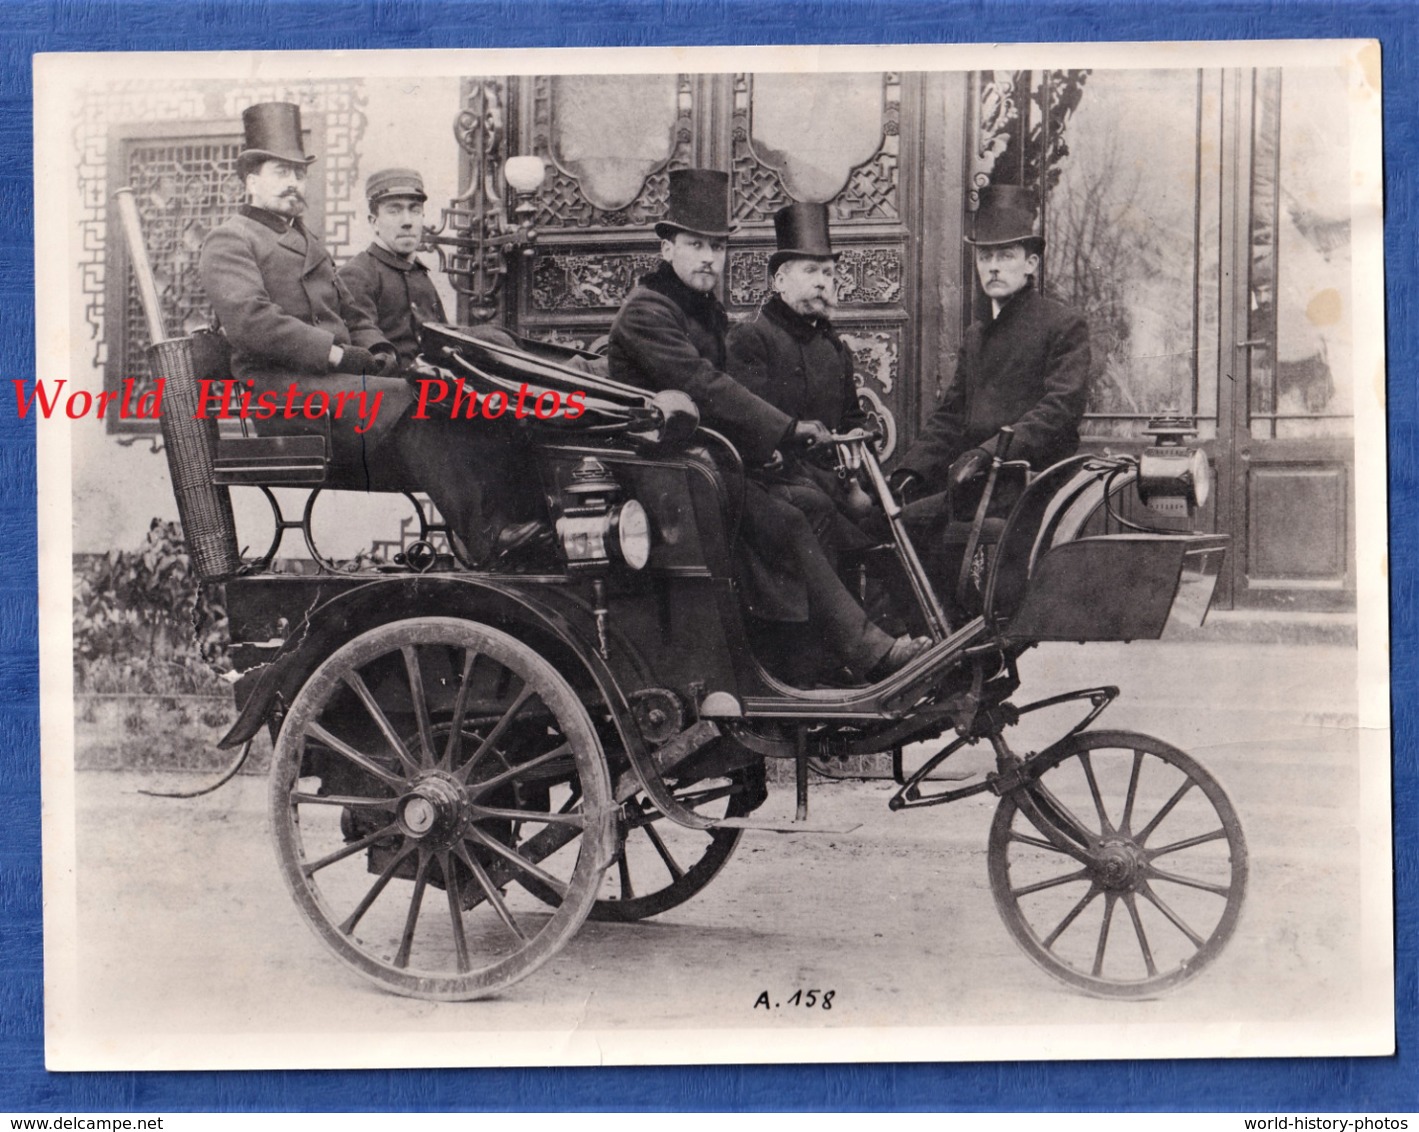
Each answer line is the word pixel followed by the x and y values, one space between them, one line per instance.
pixel 550 617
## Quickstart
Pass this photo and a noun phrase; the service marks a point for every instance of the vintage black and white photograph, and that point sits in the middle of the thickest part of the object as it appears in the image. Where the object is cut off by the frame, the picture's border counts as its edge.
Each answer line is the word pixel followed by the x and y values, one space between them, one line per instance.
pixel 691 556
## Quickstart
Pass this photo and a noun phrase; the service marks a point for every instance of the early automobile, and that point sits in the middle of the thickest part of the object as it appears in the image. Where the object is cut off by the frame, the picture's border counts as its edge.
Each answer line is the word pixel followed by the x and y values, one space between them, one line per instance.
pixel 468 763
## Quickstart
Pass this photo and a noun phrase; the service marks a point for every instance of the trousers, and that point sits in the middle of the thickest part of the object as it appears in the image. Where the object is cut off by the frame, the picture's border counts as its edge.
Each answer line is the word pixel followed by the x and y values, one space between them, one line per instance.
pixel 837 624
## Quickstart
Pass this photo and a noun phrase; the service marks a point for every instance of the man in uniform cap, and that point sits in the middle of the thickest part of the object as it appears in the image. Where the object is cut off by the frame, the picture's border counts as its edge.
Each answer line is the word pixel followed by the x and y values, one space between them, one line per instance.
pixel 387 282
pixel 791 356
pixel 1026 364
pixel 289 318
pixel 670 334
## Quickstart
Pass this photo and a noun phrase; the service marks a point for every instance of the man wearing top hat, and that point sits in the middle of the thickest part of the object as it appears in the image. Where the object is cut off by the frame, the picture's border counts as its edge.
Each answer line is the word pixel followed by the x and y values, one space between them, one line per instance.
pixel 387 282
pixel 670 334
pixel 792 357
pixel 1026 364
pixel 289 319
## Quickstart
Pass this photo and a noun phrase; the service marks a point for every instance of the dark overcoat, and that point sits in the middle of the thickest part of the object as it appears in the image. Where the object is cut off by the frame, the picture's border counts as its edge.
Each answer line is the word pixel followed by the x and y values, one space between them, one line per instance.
pixel 670 336
pixel 394 293
pixel 797 364
pixel 276 294
pixel 801 366
pixel 1027 368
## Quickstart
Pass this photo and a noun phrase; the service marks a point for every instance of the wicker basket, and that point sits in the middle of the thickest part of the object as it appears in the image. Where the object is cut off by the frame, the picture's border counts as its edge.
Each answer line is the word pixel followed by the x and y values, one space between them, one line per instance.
pixel 205 510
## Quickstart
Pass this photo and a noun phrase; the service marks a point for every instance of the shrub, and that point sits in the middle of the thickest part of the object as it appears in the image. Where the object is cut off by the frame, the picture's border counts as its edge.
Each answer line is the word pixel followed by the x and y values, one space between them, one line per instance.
pixel 144 623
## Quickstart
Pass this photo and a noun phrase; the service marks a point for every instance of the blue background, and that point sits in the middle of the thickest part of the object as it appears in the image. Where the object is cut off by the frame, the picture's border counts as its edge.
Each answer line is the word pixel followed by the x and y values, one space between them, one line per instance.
pixel 1341 1085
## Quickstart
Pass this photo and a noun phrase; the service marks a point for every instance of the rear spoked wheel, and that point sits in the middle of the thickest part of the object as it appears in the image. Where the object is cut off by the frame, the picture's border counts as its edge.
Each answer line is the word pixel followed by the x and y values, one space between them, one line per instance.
pixel 1121 868
pixel 660 865
pixel 425 772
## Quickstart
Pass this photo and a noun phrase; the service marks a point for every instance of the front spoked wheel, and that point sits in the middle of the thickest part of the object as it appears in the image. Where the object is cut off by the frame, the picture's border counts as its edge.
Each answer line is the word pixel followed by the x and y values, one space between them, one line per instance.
pixel 1121 867
pixel 426 772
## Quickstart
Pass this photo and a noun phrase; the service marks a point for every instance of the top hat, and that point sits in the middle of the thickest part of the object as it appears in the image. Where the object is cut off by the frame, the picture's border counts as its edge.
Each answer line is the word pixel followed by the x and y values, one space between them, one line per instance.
pixel 389 183
pixel 801 231
pixel 1006 216
pixel 273 133
pixel 699 203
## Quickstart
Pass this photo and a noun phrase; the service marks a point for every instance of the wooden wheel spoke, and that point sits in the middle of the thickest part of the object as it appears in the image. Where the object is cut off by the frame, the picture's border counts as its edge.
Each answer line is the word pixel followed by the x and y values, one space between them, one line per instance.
pixel 486 784
pixel 1222 890
pixel 421 706
pixel 1157 820
pixel 1109 901
pixel 1070 917
pixel 452 889
pixel 1040 843
pixel 1132 905
pixel 454 747
pixel 1088 765
pixel 364 762
pixel 1069 824
pixel 576 820
pixel 490 742
pixel 1127 819
pixel 1063 845
pixel 345 800
pixel 1053 882
pixel 691 799
pixel 1172 917
pixel 490 891
pixel 348 925
pixel 355 682
pixel 350 849
pixel 1188 843
pixel 421 880
pixel 664 852
pixel 517 860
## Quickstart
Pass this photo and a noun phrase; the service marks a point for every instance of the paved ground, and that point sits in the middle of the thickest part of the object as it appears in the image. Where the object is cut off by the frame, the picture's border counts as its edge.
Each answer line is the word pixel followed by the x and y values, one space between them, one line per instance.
pixel 189 950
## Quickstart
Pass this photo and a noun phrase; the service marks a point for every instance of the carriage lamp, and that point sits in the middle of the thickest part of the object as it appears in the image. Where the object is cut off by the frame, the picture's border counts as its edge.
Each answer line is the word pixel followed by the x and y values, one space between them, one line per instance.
pixel 597 527
pixel 474 235
pixel 1173 477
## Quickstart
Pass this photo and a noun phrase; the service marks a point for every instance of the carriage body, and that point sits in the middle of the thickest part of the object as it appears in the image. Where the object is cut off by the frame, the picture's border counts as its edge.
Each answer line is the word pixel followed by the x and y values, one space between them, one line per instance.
pixel 466 759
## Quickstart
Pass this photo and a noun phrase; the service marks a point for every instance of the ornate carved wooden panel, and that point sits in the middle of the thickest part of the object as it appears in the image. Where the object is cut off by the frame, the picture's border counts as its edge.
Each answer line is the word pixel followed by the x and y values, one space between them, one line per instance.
pixel 567 281
pixel 869 277
pixel 564 202
pixel 868 191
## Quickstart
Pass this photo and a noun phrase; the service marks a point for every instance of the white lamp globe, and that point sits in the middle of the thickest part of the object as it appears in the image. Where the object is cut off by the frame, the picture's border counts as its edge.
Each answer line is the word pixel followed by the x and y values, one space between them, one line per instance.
pixel 524 174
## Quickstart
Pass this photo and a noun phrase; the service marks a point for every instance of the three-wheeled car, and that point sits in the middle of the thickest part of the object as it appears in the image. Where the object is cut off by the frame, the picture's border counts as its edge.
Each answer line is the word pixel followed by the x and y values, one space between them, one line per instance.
pixel 469 762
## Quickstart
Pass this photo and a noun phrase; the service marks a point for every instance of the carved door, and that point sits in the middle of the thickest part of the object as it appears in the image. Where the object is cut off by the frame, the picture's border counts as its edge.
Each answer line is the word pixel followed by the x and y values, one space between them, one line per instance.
pixel 864 144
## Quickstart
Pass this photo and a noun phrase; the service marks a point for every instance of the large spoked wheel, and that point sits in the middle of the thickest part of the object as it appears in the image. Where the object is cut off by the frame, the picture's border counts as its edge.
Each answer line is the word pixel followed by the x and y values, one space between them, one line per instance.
pixel 661 865
pixel 1121 868
pixel 426 771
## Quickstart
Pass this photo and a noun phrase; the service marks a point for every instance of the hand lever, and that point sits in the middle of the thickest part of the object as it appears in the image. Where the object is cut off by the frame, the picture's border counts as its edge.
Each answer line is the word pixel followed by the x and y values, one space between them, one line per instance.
pixel 1003 441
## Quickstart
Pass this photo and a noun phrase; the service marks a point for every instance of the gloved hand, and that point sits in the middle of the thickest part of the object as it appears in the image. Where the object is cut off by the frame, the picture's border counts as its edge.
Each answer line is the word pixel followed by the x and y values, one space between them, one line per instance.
pixel 808 435
pixel 387 359
pixel 906 485
pixel 355 359
pixel 967 467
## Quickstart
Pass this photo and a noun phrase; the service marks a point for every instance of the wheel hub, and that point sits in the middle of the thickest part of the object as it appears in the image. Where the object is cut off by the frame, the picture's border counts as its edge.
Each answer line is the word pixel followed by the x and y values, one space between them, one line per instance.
pixel 433 810
pixel 1118 865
